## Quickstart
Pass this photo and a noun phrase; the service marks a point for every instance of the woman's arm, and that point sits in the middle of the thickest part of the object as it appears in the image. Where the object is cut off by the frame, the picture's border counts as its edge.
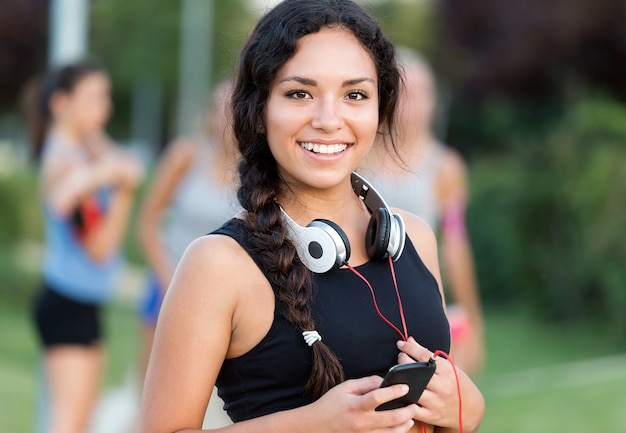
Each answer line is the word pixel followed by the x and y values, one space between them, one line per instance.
pixel 439 404
pixel 168 175
pixel 108 235
pixel 458 259
pixel 69 183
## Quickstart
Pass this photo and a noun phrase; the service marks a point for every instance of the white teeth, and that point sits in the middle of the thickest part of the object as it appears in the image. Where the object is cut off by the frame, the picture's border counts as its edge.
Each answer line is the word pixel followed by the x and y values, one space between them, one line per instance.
pixel 327 149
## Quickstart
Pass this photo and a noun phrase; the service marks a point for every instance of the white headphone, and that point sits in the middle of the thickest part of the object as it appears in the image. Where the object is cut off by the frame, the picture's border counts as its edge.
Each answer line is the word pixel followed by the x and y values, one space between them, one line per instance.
pixel 322 244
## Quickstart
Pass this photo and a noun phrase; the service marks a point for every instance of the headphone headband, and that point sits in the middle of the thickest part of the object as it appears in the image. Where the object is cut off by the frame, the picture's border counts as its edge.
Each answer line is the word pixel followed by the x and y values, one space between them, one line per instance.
pixel 322 244
pixel 367 193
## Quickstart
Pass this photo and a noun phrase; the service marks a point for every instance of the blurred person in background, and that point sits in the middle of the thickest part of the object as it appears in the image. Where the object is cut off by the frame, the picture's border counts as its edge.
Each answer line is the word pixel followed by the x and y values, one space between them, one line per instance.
pixel 192 193
pixel 87 187
pixel 429 179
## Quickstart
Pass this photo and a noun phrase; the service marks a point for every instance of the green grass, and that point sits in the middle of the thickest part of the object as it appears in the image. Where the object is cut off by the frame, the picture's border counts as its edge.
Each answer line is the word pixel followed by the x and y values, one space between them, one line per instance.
pixel 518 341
pixel 596 407
pixel 535 379
pixel 19 358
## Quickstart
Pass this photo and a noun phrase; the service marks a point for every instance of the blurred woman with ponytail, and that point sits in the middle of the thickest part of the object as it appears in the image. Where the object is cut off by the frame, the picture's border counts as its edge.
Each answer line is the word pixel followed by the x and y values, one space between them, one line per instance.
pixel 87 185
pixel 293 348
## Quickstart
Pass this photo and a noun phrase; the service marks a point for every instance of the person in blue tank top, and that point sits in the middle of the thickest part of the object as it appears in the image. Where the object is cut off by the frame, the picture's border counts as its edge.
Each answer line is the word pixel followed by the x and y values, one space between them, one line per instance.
pixel 87 185
pixel 297 306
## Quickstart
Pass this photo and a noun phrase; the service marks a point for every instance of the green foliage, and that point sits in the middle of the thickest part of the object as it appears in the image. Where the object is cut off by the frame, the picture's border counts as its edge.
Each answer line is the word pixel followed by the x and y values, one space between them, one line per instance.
pixel 21 227
pixel 410 24
pixel 497 191
pixel 140 40
pixel 20 219
pixel 496 123
pixel 548 220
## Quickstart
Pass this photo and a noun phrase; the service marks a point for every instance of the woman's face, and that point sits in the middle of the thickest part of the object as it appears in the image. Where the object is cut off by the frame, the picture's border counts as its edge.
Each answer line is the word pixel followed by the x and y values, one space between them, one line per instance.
pixel 321 117
pixel 88 106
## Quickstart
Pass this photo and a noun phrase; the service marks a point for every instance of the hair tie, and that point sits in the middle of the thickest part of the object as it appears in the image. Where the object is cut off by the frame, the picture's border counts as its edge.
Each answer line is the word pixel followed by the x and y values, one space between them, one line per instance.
pixel 311 337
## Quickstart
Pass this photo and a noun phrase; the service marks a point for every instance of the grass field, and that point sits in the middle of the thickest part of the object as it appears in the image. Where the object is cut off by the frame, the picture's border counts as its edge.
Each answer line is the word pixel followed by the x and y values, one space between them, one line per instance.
pixel 539 378
pixel 19 360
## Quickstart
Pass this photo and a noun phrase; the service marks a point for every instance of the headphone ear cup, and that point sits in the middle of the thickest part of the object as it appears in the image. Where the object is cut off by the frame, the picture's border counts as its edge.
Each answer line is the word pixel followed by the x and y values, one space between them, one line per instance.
pixel 378 234
pixel 339 237
pixel 397 237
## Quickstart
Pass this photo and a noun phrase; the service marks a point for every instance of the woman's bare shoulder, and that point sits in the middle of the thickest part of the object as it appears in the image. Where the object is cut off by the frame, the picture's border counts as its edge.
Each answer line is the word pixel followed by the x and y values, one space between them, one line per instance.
pixel 216 261
pixel 214 251
pixel 423 238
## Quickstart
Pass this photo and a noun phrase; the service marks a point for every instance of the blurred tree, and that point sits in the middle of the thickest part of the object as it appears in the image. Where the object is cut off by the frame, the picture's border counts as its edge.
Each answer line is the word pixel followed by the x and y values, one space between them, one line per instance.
pixel 407 23
pixel 534 48
pixel 139 40
pixel 23 46
pixel 544 54
pixel 547 218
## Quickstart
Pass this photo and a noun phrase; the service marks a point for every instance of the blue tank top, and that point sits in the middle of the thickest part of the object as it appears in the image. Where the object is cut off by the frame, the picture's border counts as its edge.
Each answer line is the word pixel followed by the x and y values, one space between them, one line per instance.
pixel 272 376
pixel 67 267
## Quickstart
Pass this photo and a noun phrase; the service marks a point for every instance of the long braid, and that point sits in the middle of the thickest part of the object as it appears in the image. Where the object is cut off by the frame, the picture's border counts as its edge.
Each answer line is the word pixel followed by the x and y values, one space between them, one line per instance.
pixel 290 278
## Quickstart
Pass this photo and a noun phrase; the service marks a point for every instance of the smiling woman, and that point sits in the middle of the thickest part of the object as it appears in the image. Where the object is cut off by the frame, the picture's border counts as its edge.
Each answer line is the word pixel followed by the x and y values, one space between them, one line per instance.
pixel 290 346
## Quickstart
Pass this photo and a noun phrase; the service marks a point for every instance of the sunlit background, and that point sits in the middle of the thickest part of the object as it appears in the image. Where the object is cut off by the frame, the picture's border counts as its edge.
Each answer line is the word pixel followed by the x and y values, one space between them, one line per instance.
pixel 532 93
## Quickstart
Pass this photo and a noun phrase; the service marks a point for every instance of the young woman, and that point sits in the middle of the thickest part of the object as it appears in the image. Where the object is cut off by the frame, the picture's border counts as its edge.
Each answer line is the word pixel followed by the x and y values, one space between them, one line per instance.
pixel 292 350
pixel 87 188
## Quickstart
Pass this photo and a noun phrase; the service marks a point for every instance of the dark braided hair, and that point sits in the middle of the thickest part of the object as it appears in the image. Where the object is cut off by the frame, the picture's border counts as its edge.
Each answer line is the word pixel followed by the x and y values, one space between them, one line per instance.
pixel 272 43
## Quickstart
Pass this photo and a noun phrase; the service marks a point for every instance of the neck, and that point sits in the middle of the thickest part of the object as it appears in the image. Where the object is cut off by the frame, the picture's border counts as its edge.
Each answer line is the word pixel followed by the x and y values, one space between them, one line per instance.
pixel 69 129
pixel 338 204
pixel 69 134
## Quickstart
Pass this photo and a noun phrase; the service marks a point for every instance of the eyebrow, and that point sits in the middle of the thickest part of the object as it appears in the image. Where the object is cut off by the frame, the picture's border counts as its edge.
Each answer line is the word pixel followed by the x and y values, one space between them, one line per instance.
pixel 310 82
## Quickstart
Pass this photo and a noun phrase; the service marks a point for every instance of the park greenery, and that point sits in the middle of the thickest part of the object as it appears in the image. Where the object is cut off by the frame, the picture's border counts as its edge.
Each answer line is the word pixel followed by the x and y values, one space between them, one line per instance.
pixel 533 98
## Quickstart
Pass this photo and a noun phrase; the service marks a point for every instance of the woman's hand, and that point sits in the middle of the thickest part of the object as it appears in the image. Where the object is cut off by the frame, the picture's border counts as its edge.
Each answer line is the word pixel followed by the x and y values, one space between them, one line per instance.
pixel 350 407
pixel 439 404
pixel 123 169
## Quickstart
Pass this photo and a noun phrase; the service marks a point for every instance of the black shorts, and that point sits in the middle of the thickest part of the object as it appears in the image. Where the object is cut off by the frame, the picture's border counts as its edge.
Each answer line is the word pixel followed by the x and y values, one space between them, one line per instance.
pixel 61 321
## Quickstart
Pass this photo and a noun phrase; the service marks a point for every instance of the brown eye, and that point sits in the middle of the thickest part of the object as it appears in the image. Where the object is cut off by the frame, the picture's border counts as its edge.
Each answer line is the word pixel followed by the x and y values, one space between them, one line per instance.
pixel 299 94
pixel 356 96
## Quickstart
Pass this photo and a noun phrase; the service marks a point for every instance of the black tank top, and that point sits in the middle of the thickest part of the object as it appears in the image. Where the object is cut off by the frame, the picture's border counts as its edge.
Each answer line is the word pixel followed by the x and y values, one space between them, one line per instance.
pixel 272 376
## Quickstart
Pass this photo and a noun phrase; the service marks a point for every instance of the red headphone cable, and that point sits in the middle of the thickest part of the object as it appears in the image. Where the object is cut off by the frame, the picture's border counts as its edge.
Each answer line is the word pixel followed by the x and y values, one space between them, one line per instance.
pixel 405 336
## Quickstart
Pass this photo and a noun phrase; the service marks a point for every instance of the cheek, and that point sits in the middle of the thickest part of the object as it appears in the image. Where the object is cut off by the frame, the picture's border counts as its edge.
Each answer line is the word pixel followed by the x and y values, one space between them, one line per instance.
pixel 97 113
pixel 280 123
pixel 367 125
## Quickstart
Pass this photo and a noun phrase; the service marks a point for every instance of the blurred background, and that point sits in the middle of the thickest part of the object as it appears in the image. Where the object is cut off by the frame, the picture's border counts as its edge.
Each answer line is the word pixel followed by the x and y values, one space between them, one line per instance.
pixel 532 93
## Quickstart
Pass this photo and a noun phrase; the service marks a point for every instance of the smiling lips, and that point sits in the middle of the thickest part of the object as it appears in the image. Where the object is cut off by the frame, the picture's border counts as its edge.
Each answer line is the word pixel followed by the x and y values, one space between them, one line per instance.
pixel 326 149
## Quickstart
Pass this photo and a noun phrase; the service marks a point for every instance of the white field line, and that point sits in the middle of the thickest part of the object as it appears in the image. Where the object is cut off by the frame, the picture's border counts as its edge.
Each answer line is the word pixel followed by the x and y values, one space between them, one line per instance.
pixel 560 376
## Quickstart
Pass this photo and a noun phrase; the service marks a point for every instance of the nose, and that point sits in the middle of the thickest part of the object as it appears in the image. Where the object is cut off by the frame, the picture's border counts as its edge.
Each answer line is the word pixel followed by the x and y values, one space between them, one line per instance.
pixel 327 116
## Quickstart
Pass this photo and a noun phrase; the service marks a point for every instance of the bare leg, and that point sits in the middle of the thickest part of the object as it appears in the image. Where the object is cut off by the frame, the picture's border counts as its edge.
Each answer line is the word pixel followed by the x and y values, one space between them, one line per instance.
pixel 74 373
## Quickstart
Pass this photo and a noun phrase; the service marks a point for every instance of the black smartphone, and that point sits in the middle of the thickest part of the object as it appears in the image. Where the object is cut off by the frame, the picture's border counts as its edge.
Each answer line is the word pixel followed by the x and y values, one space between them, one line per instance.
pixel 415 374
